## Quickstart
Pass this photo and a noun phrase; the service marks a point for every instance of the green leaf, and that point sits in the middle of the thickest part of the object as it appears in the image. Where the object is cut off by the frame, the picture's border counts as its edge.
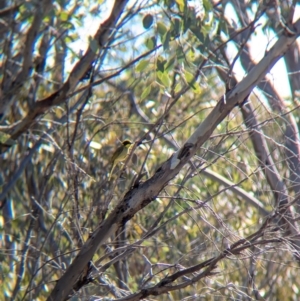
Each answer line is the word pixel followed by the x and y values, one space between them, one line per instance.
pixel 180 5
pixel 163 78
pixel 196 88
pixel 166 40
pixel 177 88
pixel 188 76
pixel 179 54
pixel 146 92
pixel 207 5
pixel 170 64
pixel 68 25
pixel 198 33
pixel 176 25
pixel 147 21
pixel 191 81
pixel 150 43
pixel 223 27
pixel 141 66
pixel 161 28
pixel 64 16
pixel 160 64
pixel 71 38
pixel 5 139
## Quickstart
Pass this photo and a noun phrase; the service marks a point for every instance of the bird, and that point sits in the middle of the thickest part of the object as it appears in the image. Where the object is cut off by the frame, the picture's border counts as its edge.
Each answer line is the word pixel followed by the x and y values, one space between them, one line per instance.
pixel 120 155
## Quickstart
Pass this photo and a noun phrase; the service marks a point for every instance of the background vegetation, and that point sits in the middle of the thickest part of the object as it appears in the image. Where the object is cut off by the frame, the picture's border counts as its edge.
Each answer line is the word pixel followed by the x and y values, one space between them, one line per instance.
pixel 77 78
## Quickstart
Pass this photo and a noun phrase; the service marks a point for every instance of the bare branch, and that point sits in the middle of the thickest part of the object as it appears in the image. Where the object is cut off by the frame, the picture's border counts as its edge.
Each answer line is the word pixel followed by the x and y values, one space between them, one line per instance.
pixel 140 196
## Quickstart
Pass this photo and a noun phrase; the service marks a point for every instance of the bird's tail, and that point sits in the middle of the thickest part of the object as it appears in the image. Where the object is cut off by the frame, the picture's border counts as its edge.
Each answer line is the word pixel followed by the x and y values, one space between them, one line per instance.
pixel 111 172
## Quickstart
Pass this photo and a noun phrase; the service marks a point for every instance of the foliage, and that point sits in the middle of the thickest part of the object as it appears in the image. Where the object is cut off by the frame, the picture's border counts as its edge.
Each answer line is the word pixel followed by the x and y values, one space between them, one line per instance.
pixel 152 73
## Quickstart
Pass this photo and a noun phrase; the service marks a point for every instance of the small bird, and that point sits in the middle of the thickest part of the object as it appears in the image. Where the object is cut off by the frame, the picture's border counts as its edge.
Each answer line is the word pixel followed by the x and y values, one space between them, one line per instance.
pixel 120 154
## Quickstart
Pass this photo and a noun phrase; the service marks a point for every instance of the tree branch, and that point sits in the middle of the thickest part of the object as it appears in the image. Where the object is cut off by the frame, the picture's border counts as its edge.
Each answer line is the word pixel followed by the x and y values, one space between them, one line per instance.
pixel 101 37
pixel 140 196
